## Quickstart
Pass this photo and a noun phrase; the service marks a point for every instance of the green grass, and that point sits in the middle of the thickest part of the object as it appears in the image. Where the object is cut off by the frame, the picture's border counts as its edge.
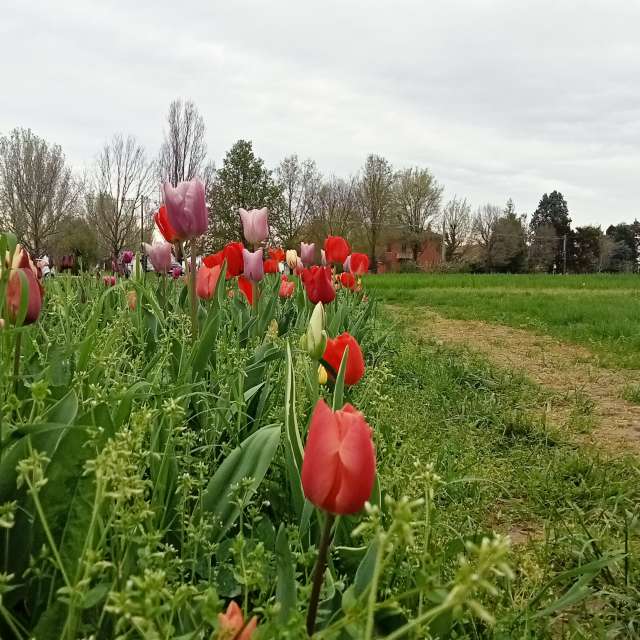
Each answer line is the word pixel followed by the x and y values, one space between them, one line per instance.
pixel 600 312
pixel 503 469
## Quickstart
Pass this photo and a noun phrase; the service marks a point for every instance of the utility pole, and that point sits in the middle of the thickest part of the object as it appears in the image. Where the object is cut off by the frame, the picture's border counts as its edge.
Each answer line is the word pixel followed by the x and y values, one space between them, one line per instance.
pixel 564 254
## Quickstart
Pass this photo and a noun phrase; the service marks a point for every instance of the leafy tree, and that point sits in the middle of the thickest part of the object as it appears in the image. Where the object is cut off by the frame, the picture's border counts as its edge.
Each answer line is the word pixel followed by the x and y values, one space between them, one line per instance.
pixel 417 200
pixel 376 200
pixel 552 210
pixel 243 181
pixel 509 251
pixel 77 237
pixel 37 189
pixel 543 250
pixel 585 249
pixel 625 257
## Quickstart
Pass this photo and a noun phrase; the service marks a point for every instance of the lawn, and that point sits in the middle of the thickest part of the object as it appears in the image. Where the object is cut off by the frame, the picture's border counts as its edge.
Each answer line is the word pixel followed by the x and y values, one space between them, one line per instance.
pixel 601 312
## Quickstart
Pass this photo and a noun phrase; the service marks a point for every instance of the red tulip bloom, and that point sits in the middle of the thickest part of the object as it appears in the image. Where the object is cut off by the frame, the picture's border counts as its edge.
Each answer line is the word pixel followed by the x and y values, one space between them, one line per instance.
pixel 277 254
pixel 231 624
pixel 336 249
pixel 339 464
pixel 359 263
pixel 347 280
pixel 164 226
pixel 109 281
pixel 287 287
pixel 270 266
pixel 213 260
pixel 355 361
pixel 235 261
pixel 14 295
pixel 206 280
pixel 317 283
pixel 246 286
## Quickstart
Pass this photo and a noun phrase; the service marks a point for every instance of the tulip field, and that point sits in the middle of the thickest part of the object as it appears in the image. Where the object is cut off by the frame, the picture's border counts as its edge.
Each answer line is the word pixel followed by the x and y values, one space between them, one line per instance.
pixel 241 453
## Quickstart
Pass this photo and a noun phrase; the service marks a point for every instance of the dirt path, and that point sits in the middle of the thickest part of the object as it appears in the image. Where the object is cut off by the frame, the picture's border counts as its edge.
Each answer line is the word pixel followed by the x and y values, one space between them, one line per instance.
pixel 582 387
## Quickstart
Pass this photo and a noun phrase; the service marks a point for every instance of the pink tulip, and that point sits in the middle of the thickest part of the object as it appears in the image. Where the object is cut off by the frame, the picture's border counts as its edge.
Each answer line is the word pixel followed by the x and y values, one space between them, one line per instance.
pixel 323 258
pixel 253 265
pixel 159 255
pixel 346 265
pixel 186 209
pixel 255 224
pixel 176 272
pixel 308 253
pixel 109 281
pixel 127 257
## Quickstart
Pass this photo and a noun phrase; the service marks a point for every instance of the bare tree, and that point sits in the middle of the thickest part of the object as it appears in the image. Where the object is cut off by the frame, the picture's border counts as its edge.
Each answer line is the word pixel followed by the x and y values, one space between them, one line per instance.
pixel 484 226
pixel 122 178
pixel 300 184
pixel 37 189
pixel 183 152
pixel 456 226
pixel 376 199
pixel 417 196
pixel 337 213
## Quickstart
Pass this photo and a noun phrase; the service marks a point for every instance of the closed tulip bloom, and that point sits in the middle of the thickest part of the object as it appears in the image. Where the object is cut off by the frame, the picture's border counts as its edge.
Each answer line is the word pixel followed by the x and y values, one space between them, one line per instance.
pixel 161 219
pixel 359 264
pixel 127 257
pixel 159 255
pixel 255 224
pixel 270 266
pixel 245 286
pixel 347 280
pixel 231 624
pixel 213 260
pixel 206 280
pixel 186 209
pixel 277 254
pixel 322 375
pixel 234 256
pixel 318 285
pixel 287 287
pixel 299 267
pixel 339 463
pixel 292 258
pixel 308 253
pixel 132 300
pixel 334 352
pixel 17 279
pixel 109 281
pixel 314 340
pixel 253 265
pixel 336 249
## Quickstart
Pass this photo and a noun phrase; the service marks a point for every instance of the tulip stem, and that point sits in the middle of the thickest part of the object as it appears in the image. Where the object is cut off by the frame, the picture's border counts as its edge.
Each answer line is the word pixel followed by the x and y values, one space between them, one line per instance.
pixel 318 573
pixel 192 287
pixel 16 360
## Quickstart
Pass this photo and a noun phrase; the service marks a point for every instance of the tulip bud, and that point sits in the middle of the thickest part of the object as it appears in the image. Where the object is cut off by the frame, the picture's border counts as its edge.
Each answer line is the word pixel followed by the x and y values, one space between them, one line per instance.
pixel 315 338
pixel 322 375
pixel 292 258
pixel 132 300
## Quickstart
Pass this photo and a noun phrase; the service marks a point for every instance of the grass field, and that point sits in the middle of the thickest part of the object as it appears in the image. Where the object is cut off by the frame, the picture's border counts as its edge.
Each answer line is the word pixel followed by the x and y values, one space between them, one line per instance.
pixel 601 312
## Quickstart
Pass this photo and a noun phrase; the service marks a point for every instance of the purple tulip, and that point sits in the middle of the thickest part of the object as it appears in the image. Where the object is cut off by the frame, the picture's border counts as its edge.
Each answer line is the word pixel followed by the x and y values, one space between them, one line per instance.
pixel 253 266
pixel 346 266
pixel 255 224
pixel 308 253
pixel 323 258
pixel 159 255
pixel 127 257
pixel 176 272
pixel 186 209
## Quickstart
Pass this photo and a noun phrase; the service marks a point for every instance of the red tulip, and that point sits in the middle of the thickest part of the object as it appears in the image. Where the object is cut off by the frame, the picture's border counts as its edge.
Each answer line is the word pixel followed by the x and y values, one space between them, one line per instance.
pixel 355 361
pixel 347 280
pixel 339 464
pixel 277 254
pixel 359 263
pixel 109 281
pixel 232 253
pixel 231 624
pixel 270 266
pixel 245 285
pixel 287 287
pixel 206 280
pixel 336 249
pixel 317 283
pixel 164 226
pixel 213 260
pixel 14 295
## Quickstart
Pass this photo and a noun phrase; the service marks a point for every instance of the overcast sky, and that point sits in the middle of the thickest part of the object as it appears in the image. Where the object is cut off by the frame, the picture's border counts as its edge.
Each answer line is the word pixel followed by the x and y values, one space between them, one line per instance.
pixel 498 98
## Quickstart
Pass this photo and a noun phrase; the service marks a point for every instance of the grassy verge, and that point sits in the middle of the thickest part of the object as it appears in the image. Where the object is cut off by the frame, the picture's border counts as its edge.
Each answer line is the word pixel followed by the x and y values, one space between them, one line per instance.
pixel 570 513
pixel 600 312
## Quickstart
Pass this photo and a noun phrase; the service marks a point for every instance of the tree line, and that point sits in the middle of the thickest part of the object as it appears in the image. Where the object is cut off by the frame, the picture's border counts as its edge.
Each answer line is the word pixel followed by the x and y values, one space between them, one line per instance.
pixel 95 216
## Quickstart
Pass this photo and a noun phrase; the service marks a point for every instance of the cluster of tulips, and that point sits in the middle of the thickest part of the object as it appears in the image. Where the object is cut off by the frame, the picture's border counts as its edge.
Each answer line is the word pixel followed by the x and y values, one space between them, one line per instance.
pixel 24 292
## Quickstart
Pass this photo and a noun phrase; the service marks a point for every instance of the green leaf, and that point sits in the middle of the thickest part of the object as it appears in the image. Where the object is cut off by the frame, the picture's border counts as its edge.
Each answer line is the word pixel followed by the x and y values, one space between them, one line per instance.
pixel 293 449
pixel 249 460
pixel 205 347
pixel 338 390
pixel 366 569
pixel 285 566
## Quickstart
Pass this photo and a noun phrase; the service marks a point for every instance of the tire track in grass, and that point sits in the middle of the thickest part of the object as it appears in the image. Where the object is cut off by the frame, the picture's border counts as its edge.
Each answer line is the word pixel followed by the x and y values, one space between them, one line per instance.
pixel 583 391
